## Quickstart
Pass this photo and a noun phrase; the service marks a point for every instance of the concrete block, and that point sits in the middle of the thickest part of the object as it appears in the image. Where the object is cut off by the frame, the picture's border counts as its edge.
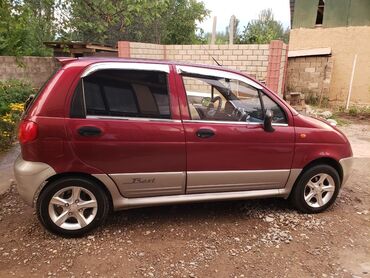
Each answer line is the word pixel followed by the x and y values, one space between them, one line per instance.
pixel 264 46
pixel 247 52
pixel 213 47
pixel 263 58
pixel 309 70
pixel 232 58
pixel 257 52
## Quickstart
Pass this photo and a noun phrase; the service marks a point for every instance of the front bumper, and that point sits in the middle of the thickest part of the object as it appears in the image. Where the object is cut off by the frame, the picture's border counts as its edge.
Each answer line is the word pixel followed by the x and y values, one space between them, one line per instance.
pixel 347 167
pixel 30 177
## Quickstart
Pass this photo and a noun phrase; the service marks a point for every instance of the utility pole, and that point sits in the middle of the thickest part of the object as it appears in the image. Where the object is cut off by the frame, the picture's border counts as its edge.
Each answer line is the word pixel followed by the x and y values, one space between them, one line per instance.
pixel 231 29
pixel 213 38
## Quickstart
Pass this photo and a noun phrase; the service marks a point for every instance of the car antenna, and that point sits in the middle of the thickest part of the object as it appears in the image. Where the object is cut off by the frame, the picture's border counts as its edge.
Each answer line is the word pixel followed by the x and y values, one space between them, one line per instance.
pixel 213 58
pixel 216 61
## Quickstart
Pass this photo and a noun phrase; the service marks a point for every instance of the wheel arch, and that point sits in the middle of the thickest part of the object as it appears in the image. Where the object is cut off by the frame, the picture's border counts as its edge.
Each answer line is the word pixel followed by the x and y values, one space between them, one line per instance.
pixel 322 160
pixel 325 160
pixel 75 174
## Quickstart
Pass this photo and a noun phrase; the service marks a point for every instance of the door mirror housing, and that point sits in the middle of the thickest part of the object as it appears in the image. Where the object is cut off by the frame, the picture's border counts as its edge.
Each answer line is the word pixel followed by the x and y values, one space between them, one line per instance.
pixel 267 122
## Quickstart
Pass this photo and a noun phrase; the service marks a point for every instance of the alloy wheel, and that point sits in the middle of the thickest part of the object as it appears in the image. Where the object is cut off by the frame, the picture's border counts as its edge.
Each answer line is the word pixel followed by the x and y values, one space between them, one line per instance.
pixel 319 190
pixel 73 208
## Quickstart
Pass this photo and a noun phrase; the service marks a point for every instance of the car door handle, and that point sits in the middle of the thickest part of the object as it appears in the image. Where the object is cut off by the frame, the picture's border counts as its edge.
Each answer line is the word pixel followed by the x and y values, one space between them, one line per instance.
pixel 89 131
pixel 205 133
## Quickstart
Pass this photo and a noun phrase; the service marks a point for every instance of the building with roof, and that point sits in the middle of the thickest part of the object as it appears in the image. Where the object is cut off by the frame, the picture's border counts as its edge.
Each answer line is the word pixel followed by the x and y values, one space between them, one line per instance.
pixel 329 53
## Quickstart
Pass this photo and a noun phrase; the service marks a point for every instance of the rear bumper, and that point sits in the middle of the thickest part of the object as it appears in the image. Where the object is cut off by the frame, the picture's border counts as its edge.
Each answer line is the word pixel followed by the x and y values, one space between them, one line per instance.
pixel 347 167
pixel 30 177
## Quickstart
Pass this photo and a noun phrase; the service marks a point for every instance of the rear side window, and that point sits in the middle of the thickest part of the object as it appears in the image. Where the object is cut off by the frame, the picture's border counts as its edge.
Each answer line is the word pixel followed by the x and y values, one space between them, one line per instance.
pixel 124 93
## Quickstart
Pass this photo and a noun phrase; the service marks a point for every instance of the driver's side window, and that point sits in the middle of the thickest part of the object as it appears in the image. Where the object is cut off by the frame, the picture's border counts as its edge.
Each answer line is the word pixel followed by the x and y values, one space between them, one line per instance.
pixel 220 99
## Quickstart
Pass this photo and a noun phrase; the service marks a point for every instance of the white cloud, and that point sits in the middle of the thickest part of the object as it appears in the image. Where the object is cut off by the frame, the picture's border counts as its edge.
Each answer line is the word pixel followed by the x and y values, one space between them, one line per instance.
pixel 244 10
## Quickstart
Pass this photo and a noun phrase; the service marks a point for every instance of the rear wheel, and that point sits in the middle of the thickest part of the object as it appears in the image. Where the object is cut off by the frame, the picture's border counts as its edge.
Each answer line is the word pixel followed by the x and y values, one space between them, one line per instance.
pixel 72 206
pixel 316 190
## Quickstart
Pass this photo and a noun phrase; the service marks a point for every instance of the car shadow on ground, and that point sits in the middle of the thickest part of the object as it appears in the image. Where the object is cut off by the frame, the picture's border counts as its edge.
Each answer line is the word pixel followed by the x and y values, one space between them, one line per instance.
pixel 198 212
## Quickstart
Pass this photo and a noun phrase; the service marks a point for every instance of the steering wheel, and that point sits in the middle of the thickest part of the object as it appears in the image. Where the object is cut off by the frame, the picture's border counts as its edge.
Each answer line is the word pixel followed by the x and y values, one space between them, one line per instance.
pixel 211 111
pixel 239 114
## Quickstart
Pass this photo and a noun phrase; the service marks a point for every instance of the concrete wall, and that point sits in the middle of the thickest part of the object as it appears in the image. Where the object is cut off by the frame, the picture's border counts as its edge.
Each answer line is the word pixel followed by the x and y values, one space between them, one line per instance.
pixel 345 42
pixel 252 59
pixel 35 70
pixel 309 75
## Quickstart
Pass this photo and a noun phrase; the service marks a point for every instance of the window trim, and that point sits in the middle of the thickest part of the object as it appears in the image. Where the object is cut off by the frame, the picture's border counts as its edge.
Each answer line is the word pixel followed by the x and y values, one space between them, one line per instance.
pixel 231 122
pixel 217 73
pixel 141 119
pixel 124 66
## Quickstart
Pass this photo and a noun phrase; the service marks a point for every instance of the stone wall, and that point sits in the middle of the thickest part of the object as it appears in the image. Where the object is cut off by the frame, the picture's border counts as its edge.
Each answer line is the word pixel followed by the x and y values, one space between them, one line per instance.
pixel 252 59
pixel 310 75
pixel 35 70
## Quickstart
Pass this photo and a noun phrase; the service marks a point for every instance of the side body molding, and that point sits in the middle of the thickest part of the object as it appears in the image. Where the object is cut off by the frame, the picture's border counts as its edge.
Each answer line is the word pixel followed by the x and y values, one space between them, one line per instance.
pixel 133 185
pixel 138 199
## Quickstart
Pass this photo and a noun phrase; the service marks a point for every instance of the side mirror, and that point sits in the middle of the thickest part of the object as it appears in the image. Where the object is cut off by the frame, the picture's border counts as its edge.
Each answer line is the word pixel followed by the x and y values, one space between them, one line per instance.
pixel 267 122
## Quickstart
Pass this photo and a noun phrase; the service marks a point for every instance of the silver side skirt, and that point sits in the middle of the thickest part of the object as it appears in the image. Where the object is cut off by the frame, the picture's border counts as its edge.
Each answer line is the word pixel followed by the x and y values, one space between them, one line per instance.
pixel 128 203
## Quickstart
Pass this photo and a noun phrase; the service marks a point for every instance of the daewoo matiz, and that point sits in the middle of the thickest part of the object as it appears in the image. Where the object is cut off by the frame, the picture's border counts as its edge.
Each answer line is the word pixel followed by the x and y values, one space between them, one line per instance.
pixel 112 134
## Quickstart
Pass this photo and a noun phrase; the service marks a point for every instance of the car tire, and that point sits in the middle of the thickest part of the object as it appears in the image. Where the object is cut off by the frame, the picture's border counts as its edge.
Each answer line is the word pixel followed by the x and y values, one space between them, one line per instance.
pixel 72 206
pixel 316 189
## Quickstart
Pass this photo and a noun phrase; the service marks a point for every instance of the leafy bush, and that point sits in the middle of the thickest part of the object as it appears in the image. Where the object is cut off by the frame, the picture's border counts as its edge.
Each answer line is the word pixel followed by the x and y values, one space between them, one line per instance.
pixel 353 111
pixel 13 93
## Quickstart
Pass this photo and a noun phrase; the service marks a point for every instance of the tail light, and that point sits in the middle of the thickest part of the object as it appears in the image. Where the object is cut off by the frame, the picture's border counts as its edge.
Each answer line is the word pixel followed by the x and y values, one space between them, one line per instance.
pixel 27 132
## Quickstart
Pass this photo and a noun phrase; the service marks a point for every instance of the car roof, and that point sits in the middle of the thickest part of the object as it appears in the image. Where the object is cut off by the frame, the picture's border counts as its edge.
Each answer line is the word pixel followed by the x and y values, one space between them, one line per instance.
pixel 86 61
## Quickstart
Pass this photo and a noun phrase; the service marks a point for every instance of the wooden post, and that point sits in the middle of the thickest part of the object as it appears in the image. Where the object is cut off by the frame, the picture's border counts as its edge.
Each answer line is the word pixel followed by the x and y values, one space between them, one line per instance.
pixel 351 82
pixel 213 38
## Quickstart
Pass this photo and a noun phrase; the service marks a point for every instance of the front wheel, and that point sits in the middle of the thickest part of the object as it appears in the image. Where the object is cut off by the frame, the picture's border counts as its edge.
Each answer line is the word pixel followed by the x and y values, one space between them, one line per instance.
pixel 316 190
pixel 72 206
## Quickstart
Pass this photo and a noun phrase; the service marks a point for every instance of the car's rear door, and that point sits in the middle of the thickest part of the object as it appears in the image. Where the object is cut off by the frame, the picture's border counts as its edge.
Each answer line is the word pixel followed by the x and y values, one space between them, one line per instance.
pixel 227 146
pixel 128 128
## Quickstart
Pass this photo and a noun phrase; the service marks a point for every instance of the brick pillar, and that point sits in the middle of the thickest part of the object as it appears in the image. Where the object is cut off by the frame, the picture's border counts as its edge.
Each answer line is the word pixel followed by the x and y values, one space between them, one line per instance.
pixel 274 66
pixel 283 87
pixel 124 49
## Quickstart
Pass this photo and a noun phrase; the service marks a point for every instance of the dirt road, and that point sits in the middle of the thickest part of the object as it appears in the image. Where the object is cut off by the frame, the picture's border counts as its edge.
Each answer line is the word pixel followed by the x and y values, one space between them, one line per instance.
pixel 263 238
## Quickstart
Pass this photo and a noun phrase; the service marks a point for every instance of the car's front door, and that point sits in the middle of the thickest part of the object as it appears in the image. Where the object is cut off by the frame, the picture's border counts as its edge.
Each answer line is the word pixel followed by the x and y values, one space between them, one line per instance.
pixel 227 146
pixel 128 129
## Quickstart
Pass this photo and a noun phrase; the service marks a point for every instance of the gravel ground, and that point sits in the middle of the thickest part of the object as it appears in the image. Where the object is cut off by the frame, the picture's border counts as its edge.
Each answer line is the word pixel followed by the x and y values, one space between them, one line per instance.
pixel 259 238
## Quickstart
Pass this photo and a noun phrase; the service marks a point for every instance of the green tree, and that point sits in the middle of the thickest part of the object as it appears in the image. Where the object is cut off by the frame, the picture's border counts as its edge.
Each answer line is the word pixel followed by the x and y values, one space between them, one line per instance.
pixel 24 25
pixel 180 21
pixel 107 21
pixel 264 29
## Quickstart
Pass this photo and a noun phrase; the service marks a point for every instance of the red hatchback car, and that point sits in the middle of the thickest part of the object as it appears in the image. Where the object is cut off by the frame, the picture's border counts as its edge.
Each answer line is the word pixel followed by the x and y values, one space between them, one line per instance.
pixel 112 134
